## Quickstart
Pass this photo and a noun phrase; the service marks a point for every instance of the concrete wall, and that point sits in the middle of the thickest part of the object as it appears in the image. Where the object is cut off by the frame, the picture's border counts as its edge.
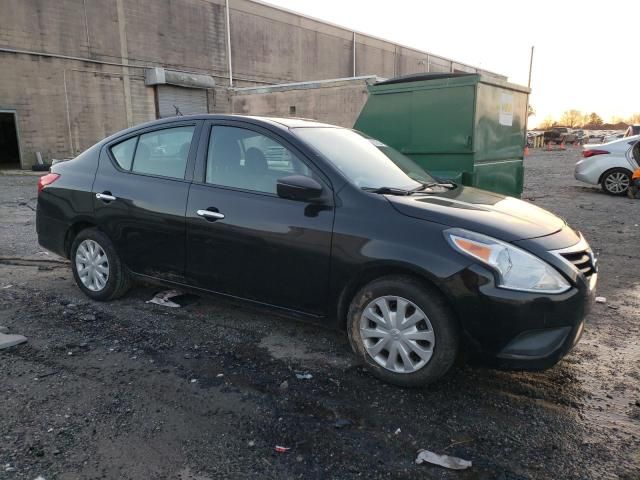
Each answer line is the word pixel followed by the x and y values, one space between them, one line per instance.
pixel 179 34
pixel 338 102
pixel 100 99
pixel 269 46
pixel 61 122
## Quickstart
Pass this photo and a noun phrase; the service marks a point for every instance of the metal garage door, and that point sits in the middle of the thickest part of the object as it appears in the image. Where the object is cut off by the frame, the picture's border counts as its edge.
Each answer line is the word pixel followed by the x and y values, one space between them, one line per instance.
pixel 187 100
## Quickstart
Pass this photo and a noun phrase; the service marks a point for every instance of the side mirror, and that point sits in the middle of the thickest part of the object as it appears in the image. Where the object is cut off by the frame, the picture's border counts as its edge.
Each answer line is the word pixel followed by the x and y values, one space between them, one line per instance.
pixel 299 187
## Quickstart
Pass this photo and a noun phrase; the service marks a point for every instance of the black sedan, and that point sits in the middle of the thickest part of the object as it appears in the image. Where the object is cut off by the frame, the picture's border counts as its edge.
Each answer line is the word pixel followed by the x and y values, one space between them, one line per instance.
pixel 327 224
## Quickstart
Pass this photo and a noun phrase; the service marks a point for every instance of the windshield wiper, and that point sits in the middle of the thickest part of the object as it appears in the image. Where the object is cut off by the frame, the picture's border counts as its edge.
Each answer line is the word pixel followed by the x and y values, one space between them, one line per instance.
pixel 387 190
pixel 424 187
pixel 446 184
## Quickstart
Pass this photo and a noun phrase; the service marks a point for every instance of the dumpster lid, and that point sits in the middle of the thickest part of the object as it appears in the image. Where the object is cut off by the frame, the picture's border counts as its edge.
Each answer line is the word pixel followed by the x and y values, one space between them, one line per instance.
pixel 417 77
pixel 405 81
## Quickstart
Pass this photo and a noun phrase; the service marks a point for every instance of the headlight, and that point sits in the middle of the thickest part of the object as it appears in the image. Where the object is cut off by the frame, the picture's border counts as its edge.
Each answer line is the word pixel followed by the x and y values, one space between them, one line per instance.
pixel 515 268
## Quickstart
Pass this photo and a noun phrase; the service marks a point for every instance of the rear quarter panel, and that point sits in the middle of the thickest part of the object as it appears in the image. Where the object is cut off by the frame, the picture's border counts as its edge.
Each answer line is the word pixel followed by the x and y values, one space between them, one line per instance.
pixel 590 169
pixel 68 200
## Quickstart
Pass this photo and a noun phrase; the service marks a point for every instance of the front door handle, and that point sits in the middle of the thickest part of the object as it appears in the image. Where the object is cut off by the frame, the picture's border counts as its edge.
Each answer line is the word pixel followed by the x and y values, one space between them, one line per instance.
pixel 209 215
pixel 105 197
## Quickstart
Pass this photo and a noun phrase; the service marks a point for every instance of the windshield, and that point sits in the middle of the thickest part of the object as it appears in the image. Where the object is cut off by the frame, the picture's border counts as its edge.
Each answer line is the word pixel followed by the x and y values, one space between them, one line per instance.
pixel 366 162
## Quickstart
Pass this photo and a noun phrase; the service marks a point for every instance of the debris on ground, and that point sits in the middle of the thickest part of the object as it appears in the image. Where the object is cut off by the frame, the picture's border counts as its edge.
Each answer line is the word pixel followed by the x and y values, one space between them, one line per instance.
pixel 397 432
pixel 601 299
pixel 281 449
pixel 342 422
pixel 613 307
pixel 4 330
pixel 45 375
pixel 284 385
pixel 173 298
pixel 7 286
pixel 164 298
pixel 304 376
pixel 7 340
pixel 446 461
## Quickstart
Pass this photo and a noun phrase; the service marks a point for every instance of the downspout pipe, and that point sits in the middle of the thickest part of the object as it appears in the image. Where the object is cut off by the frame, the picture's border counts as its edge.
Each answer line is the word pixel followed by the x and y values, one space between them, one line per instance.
pixel 229 43
pixel 354 54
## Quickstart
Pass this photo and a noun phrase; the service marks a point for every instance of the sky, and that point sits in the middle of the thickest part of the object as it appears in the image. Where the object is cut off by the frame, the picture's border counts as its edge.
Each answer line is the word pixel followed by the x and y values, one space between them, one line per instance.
pixel 586 52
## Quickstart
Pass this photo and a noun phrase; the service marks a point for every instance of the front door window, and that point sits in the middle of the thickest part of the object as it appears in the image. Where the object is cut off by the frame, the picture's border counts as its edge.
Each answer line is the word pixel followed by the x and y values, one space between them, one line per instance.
pixel 244 159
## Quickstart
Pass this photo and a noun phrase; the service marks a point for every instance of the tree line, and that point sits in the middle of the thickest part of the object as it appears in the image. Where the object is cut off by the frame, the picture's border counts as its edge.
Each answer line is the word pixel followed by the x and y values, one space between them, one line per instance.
pixel 578 119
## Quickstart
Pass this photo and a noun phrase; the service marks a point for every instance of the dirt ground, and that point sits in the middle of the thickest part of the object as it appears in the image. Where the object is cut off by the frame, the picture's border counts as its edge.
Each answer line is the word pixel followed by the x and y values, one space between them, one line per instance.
pixel 133 390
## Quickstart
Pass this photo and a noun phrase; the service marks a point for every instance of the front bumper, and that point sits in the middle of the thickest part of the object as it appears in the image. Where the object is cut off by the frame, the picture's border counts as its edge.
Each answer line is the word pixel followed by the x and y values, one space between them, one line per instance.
pixel 540 349
pixel 519 330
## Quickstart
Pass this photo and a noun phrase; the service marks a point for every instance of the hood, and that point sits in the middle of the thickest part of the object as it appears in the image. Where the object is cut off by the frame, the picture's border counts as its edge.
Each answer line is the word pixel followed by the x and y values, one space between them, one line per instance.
pixel 499 216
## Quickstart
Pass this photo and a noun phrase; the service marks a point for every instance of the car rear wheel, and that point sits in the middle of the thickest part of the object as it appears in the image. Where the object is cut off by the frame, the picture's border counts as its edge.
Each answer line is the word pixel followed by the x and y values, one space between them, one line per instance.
pixel 97 269
pixel 403 331
pixel 616 181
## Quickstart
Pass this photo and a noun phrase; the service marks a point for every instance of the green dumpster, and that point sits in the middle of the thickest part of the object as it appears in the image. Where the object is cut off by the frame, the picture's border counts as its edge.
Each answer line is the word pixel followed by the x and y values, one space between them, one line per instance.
pixel 468 128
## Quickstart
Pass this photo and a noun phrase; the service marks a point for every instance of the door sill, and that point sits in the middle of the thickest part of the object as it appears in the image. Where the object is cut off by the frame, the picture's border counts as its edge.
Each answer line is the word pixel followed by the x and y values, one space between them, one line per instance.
pixel 284 310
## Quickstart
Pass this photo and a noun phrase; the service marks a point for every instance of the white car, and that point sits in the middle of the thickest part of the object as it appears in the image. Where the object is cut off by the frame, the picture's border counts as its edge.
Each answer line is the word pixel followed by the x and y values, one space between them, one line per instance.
pixel 610 165
pixel 612 136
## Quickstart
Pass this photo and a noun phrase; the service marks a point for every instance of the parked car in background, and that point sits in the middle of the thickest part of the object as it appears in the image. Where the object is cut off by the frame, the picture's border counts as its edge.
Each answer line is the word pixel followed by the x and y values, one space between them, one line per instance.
pixel 581 136
pixel 534 139
pixel 632 130
pixel 609 165
pixel 612 136
pixel 560 135
pixel 327 224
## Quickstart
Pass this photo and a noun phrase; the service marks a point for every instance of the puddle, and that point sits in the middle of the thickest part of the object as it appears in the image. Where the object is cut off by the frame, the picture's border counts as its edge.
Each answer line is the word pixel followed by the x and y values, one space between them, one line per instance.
pixel 187 474
pixel 284 347
pixel 613 379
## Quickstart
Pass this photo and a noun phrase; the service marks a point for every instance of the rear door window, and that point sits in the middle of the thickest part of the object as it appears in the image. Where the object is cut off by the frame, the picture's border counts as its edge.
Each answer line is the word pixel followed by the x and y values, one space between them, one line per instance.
pixel 164 152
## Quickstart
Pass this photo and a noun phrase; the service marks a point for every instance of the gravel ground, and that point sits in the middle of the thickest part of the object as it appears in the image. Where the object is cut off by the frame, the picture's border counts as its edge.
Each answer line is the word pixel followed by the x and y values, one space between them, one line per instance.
pixel 132 390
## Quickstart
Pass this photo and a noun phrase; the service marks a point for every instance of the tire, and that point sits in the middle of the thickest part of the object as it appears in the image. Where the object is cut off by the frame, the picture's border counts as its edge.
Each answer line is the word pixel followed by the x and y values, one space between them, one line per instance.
pixel 88 246
pixel 439 333
pixel 616 181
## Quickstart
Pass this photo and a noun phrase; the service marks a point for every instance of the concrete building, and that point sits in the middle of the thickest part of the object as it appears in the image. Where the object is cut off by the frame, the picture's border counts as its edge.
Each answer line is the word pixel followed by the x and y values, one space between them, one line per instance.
pixel 338 101
pixel 76 71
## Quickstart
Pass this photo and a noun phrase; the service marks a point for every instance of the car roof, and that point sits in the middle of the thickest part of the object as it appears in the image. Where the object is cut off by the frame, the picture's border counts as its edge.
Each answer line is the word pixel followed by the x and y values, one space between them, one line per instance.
pixel 292 122
pixel 279 122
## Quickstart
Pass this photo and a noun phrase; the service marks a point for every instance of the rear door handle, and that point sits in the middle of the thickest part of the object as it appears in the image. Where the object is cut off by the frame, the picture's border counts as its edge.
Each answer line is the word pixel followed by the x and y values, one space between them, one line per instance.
pixel 105 197
pixel 209 215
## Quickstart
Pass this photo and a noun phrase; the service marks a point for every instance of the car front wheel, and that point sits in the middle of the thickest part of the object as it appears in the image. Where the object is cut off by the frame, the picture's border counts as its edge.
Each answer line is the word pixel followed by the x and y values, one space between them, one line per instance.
pixel 97 269
pixel 403 331
pixel 616 181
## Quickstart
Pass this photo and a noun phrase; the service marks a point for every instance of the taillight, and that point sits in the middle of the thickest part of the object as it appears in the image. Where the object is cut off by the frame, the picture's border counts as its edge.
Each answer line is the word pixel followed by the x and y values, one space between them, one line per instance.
pixel 591 153
pixel 47 180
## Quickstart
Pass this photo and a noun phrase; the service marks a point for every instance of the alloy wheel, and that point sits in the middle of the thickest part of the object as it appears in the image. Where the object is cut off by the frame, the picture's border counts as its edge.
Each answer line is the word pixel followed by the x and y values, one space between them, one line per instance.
pixel 92 265
pixel 397 334
pixel 617 182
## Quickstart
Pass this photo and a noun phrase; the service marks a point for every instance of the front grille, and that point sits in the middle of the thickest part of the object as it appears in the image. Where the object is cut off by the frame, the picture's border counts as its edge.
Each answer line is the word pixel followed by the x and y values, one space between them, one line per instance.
pixel 584 261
